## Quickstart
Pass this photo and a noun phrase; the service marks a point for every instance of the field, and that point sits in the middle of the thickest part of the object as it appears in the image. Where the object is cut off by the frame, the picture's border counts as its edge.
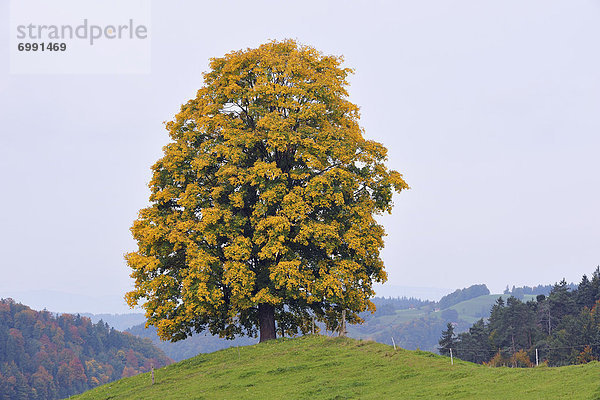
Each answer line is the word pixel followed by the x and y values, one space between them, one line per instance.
pixel 472 310
pixel 319 367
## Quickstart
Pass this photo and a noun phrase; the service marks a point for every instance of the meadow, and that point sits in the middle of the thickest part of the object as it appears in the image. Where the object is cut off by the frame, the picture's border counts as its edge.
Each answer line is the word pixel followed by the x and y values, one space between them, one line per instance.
pixel 321 367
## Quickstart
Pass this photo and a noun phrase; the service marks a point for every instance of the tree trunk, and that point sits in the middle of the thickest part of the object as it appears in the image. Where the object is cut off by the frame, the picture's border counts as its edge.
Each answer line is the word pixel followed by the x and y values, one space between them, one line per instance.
pixel 266 318
pixel 343 325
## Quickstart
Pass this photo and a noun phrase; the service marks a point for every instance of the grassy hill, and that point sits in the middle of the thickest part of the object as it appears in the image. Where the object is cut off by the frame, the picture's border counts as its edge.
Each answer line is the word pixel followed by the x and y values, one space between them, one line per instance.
pixel 474 309
pixel 318 367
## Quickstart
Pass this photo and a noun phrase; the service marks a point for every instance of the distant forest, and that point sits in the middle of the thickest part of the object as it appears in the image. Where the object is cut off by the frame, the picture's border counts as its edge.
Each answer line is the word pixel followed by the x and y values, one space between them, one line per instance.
pixel 413 323
pixel 192 346
pixel 520 292
pixel 564 327
pixel 45 356
pixel 388 305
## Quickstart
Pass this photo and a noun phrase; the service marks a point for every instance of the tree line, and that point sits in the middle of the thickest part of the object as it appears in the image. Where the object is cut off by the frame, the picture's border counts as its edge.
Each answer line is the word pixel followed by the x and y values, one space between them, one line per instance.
pixel 520 292
pixel 563 327
pixel 48 356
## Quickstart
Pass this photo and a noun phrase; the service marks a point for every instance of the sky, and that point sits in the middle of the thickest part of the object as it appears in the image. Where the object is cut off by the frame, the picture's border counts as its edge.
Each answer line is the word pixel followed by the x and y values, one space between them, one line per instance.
pixel 490 110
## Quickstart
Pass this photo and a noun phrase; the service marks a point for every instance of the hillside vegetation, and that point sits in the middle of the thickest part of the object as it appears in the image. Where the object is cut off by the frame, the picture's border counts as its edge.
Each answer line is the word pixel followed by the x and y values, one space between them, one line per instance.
pixel 318 367
pixel 419 325
pixel 463 294
pixel 192 346
pixel 120 322
pixel 474 309
pixel 44 356
pixel 562 328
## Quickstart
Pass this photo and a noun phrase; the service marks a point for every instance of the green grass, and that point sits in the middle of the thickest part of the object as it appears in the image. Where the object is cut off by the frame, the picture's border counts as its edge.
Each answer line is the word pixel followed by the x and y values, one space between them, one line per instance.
pixel 471 310
pixel 318 367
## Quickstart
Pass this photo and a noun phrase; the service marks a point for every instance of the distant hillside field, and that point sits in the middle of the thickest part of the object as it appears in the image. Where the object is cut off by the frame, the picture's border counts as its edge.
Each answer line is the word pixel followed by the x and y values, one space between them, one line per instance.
pixel 420 327
pixel 479 307
pixel 318 367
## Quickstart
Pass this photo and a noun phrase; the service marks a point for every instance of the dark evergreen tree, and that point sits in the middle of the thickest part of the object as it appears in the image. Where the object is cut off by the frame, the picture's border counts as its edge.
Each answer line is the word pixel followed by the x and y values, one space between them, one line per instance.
pixel 448 340
pixel 564 326
pixel 474 345
pixel 561 302
pixel 586 296
pixel 595 283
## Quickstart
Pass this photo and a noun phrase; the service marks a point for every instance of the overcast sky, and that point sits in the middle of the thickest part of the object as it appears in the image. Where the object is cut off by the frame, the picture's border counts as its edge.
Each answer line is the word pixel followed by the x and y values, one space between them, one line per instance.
pixel 490 110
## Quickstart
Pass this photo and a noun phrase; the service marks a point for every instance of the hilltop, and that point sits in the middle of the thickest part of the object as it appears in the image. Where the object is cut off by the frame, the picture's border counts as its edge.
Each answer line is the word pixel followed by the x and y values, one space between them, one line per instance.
pixel 318 367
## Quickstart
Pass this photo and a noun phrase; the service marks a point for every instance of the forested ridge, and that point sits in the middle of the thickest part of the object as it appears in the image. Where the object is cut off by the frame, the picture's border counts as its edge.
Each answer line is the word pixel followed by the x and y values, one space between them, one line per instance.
pixel 462 294
pixel 48 356
pixel 564 328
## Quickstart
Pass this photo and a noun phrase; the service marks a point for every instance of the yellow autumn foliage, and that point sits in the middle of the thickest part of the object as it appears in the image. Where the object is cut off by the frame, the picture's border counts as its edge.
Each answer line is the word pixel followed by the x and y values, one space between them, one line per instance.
pixel 265 196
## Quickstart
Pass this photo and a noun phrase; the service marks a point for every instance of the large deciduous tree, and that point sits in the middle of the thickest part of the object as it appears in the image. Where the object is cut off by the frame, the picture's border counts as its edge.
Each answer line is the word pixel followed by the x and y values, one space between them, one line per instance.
pixel 262 207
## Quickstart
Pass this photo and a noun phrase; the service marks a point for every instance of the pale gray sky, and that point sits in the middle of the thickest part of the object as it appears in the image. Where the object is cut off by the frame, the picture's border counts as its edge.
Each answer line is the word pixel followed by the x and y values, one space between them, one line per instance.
pixel 491 110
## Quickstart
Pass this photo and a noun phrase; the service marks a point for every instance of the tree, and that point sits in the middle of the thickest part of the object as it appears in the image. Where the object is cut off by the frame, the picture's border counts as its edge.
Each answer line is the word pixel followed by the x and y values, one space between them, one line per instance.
pixel 474 345
pixel 521 360
pixel 586 293
pixel 586 356
pixel 448 340
pixel 262 208
pixel 561 302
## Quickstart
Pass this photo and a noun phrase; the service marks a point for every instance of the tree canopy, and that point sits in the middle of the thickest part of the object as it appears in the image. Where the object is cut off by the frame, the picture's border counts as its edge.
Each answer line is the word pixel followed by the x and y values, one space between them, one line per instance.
pixel 262 207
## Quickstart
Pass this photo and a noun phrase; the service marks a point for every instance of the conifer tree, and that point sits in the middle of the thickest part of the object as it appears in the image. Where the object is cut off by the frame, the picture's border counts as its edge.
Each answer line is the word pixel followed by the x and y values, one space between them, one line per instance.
pixel 448 340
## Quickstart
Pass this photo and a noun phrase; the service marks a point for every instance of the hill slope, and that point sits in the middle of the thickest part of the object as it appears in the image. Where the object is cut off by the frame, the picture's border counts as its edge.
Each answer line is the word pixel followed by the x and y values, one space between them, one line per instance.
pixel 44 356
pixel 318 367
pixel 420 327
pixel 479 307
